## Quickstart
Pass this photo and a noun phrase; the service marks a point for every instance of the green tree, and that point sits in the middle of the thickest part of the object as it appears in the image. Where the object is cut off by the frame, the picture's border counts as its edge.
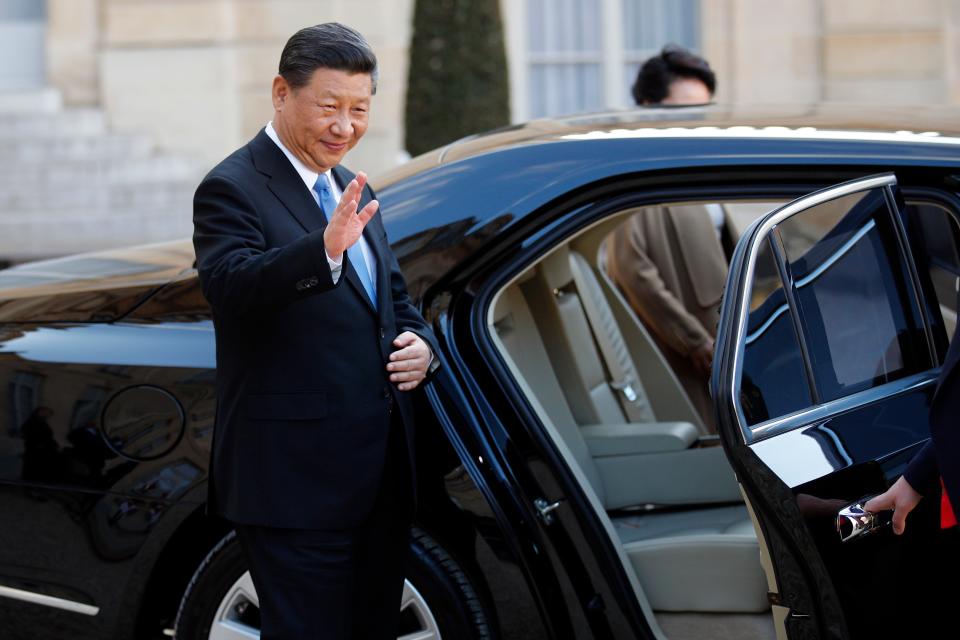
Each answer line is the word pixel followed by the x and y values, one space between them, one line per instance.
pixel 457 82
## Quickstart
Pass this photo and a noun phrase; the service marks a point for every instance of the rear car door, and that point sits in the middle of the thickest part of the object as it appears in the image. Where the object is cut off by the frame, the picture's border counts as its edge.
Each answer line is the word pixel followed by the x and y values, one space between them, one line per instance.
pixel 830 342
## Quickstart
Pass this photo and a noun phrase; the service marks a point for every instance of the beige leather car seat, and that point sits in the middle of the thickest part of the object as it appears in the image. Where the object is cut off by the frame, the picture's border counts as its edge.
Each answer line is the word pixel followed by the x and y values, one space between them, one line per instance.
pixel 704 559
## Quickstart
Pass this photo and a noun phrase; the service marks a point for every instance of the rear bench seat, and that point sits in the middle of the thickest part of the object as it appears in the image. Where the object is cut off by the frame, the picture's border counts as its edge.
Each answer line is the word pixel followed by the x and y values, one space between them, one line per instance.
pixel 696 559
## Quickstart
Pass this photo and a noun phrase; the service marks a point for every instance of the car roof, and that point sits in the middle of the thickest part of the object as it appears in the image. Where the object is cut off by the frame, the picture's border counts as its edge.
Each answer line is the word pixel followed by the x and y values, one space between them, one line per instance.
pixel 453 201
pixel 514 170
pixel 932 124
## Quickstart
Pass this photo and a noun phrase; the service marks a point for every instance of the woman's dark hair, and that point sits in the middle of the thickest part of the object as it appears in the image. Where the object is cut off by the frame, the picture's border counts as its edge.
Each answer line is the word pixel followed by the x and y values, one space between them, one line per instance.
pixel 330 45
pixel 656 74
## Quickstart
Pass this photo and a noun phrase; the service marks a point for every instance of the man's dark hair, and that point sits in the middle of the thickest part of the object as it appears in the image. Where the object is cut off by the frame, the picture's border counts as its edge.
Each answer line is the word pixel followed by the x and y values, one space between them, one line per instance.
pixel 330 45
pixel 673 62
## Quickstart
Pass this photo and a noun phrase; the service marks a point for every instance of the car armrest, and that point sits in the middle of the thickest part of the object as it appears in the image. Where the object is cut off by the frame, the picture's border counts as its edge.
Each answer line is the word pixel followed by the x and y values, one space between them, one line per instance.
pixel 663 463
pixel 635 438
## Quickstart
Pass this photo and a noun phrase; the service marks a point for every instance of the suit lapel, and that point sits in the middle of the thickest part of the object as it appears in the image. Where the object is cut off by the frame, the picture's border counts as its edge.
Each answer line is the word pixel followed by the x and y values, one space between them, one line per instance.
pixel 343 178
pixel 285 183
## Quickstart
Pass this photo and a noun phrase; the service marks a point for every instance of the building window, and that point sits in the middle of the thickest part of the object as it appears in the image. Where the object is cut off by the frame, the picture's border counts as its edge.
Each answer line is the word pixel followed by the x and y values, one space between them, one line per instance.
pixel 573 56
pixel 564 56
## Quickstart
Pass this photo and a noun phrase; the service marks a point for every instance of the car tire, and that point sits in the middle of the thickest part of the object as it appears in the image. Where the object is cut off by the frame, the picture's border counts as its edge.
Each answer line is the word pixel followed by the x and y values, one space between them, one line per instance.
pixel 438 595
pixel 219 573
pixel 447 589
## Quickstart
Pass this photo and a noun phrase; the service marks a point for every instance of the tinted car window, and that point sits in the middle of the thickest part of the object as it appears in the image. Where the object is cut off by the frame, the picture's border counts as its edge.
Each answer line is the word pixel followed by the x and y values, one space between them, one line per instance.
pixel 938 237
pixel 854 297
pixel 774 382
pixel 848 319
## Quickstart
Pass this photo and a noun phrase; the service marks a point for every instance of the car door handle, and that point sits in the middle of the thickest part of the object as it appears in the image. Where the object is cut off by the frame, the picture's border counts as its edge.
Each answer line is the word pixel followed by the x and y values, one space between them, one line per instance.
pixel 853 521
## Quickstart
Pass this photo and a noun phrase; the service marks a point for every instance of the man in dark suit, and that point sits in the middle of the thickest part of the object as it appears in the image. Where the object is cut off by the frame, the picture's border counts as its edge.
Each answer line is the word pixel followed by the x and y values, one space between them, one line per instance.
pixel 318 347
pixel 936 467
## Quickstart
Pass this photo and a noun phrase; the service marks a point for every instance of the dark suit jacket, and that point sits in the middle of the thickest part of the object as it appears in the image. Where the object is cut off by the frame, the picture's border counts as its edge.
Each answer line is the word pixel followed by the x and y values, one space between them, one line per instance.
pixel 304 402
pixel 940 457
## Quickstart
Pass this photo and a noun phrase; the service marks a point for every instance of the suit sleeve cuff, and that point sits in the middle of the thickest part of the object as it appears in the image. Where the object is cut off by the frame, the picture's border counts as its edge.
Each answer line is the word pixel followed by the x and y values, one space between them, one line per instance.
pixel 434 360
pixel 922 472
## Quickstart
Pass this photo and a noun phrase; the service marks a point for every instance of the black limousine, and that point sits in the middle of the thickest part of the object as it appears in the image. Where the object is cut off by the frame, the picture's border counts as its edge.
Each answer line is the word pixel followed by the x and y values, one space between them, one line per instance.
pixel 568 486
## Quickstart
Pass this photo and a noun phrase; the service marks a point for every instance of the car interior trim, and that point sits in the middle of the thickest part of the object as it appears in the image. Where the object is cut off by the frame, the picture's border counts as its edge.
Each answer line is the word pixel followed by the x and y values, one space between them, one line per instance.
pixel 48 601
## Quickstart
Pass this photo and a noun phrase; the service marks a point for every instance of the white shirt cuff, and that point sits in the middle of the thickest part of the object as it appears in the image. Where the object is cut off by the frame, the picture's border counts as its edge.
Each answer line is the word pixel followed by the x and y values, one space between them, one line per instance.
pixel 336 266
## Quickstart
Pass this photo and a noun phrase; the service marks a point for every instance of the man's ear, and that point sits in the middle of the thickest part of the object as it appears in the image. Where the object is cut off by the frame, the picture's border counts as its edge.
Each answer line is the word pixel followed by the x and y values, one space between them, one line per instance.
pixel 281 92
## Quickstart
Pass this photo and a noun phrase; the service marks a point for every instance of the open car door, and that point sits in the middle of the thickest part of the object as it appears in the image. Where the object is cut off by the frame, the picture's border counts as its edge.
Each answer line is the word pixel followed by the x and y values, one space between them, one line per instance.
pixel 827 359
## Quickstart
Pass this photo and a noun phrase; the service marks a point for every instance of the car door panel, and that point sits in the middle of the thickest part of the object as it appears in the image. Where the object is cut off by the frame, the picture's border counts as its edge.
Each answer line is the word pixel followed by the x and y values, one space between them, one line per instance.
pixel 826 367
pixel 105 430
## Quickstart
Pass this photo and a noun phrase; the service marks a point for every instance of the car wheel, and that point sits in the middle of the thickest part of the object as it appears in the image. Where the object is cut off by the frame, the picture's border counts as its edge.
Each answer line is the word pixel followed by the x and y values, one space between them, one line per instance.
pixel 438 603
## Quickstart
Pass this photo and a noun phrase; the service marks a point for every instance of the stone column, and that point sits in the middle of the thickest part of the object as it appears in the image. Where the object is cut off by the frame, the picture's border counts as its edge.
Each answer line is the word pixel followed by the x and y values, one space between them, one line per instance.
pixel 951 50
pixel 762 51
pixel 885 51
pixel 196 76
pixel 73 40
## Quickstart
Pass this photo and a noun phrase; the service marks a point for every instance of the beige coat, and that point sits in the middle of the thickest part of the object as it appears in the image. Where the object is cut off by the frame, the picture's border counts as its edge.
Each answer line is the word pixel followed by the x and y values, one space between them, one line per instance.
pixel 670 265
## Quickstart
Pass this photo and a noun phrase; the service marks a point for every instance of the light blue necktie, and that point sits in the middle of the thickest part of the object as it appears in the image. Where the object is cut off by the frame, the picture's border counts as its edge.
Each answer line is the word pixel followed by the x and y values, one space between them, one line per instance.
pixel 328 205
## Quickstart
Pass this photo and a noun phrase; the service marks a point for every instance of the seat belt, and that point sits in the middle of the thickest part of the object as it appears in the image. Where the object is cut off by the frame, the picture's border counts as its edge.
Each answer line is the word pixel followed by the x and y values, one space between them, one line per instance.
pixel 625 382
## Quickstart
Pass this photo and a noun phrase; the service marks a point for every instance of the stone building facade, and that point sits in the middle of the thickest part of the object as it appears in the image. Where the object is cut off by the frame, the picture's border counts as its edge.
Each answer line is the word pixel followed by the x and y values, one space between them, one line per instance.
pixel 110 110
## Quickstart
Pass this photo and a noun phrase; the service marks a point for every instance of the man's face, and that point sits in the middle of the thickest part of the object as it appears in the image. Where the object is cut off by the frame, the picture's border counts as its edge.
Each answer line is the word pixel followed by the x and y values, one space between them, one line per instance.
pixel 685 91
pixel 322 120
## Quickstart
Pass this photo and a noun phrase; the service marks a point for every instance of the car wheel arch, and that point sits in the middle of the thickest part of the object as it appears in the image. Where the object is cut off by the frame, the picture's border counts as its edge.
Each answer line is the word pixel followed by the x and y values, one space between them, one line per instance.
pixel 181 553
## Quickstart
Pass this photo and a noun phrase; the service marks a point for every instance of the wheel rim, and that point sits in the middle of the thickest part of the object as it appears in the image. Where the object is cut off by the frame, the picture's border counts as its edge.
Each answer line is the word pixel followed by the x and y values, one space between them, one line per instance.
pixel 232 620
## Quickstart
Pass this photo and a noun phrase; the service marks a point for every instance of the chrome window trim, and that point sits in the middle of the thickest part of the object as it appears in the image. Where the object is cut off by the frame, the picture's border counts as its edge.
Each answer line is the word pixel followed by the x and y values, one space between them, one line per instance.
pixel 833 408
pixel 835 257
pixel 48 601
pixel 753 337
pixel 784 423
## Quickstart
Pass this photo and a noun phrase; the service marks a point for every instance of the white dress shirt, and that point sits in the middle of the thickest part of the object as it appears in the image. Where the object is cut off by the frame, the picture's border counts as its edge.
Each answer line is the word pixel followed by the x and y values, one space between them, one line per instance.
pixel 717 217
pixel 309 178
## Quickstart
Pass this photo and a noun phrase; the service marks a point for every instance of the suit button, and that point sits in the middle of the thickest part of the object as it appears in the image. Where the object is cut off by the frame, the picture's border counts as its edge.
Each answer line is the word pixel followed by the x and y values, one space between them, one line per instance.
pixel 383 333
pixel 313 281
pixel 301 285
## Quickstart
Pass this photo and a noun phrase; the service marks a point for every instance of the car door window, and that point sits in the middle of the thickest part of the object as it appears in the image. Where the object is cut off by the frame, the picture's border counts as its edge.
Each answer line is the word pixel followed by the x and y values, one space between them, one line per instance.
pixel 774 382
pixel 844 315
pixel 854 297
pixel 937 238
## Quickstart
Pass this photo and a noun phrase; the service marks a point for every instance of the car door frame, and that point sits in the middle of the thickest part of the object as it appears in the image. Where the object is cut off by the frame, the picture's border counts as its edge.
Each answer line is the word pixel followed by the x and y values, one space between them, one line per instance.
pixel 458 308
pixel 801 588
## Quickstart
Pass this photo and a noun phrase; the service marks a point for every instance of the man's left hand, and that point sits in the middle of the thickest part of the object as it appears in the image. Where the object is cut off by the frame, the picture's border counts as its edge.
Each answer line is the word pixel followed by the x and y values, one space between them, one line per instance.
pixel 408 365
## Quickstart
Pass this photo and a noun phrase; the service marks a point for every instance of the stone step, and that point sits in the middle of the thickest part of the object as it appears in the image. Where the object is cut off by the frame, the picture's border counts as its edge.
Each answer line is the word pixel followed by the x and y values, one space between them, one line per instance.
pixel 42 100
pixel 75 122
pixel 97 174
pixel 40 151
pixel 69 185
pixel 80 202
pixel 177 216
pixel 48 202
pixel 32 239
